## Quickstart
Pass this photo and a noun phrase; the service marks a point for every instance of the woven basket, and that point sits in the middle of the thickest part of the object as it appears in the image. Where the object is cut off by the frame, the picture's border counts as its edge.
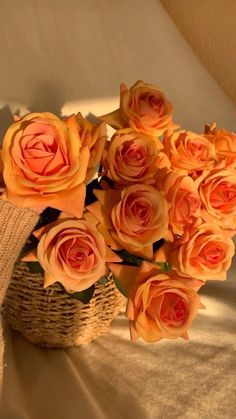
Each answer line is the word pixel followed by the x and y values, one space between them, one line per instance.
pixel 51 318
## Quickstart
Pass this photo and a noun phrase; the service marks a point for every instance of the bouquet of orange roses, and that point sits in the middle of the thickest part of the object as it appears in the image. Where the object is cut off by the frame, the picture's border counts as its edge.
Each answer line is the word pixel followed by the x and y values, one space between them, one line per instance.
pixel 154 205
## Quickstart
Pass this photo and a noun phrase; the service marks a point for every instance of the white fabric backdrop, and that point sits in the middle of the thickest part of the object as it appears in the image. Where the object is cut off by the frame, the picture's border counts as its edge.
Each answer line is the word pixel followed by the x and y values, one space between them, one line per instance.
pixel 65 56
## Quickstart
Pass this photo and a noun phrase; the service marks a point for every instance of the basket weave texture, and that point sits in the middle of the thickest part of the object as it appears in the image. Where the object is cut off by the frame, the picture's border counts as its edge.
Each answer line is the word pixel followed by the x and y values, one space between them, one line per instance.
pixel 51 318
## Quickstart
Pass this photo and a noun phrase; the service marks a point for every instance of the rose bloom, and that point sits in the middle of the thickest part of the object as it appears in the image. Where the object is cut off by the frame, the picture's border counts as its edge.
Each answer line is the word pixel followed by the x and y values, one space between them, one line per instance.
pixel 204 253
pixel 161 306
pixel 131 157
pixel 189 152
pixel 72 252
pixel 144 108
pixel 184 203
pixel 131 219
pixel 92 136
pixel 218 196
pixel 225 145
pixel 45 164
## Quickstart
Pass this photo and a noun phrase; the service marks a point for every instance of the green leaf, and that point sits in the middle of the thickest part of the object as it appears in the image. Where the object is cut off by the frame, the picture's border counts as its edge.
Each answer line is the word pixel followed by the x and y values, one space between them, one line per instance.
pixel 83 296
pixel 129 258
pixel 165 266
pixel 31 244
pixel 119 286
pixel 35 267
pixel 103 280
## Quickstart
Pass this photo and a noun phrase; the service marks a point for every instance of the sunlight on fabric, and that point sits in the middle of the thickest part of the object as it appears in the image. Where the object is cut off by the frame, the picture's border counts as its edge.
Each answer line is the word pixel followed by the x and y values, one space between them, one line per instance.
pixel 216 308
pixel 92 107
pixel 14 107
pixel 97 106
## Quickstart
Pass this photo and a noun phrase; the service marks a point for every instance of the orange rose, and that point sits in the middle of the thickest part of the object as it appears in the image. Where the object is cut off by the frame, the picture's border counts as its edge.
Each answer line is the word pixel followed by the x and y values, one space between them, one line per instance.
pixel 131 157
pixel 92 136
pixel 144 108
pixel 225 145
pixel 218 195
pixel 45 164
pixel 72 252
pixel 184 203
pixel 159 305
pixel 189 152
pixel 132 219
pixel 205 252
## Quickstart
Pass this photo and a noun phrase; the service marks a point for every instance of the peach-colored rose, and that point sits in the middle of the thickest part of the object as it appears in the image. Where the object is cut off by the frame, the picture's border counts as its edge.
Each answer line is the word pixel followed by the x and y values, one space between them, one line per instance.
pixel 189 152
pixel 72 252
pixel 204 253
pixel 218 196
pixel 131 157
pixel 144 108
pixel 94 137
pixel 132 219
pixel 160 305
pixel 45 164
pixel 225 145
pixel 184 203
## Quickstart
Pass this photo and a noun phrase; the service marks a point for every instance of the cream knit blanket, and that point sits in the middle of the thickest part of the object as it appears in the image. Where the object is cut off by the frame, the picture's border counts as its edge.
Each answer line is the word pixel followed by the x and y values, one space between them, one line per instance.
pixel 16 225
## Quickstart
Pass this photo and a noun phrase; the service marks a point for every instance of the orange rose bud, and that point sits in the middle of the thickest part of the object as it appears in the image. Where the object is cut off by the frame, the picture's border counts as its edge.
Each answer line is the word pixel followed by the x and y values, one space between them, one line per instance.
pixel 161 306
pixel 131 157
pixel 92 136
pixel 144 108
pixel 45 164
pixel 189 152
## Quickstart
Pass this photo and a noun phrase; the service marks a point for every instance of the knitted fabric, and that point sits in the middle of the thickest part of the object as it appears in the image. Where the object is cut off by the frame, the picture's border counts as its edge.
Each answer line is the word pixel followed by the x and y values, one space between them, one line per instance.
pixel 16 225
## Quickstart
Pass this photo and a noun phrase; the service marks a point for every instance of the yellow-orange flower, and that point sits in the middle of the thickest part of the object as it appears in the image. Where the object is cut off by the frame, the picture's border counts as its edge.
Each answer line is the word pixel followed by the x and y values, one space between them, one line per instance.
pixel 92 136
pixel 132 219
pixel 218 196
pixel 189 152
pixel 225 145
pixel 203 253
pixel 184 203
pixel 159 305
pixel 72 252
pixel 131 157
pixel 144 108
pixel 45 164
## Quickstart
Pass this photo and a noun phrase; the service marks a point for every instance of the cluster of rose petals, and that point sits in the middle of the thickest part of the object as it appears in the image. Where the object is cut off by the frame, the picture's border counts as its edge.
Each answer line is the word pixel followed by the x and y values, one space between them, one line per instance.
pixel 131 219
pixel 184 204
pixel 131 157
pixel 196 174
pixel 189 152
pixel 73 253
pixel 225 145
pixel 161 306
pixel 204 253
pixel 45 163
pixel 218 196
pixel 144 108
pixel 92 136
